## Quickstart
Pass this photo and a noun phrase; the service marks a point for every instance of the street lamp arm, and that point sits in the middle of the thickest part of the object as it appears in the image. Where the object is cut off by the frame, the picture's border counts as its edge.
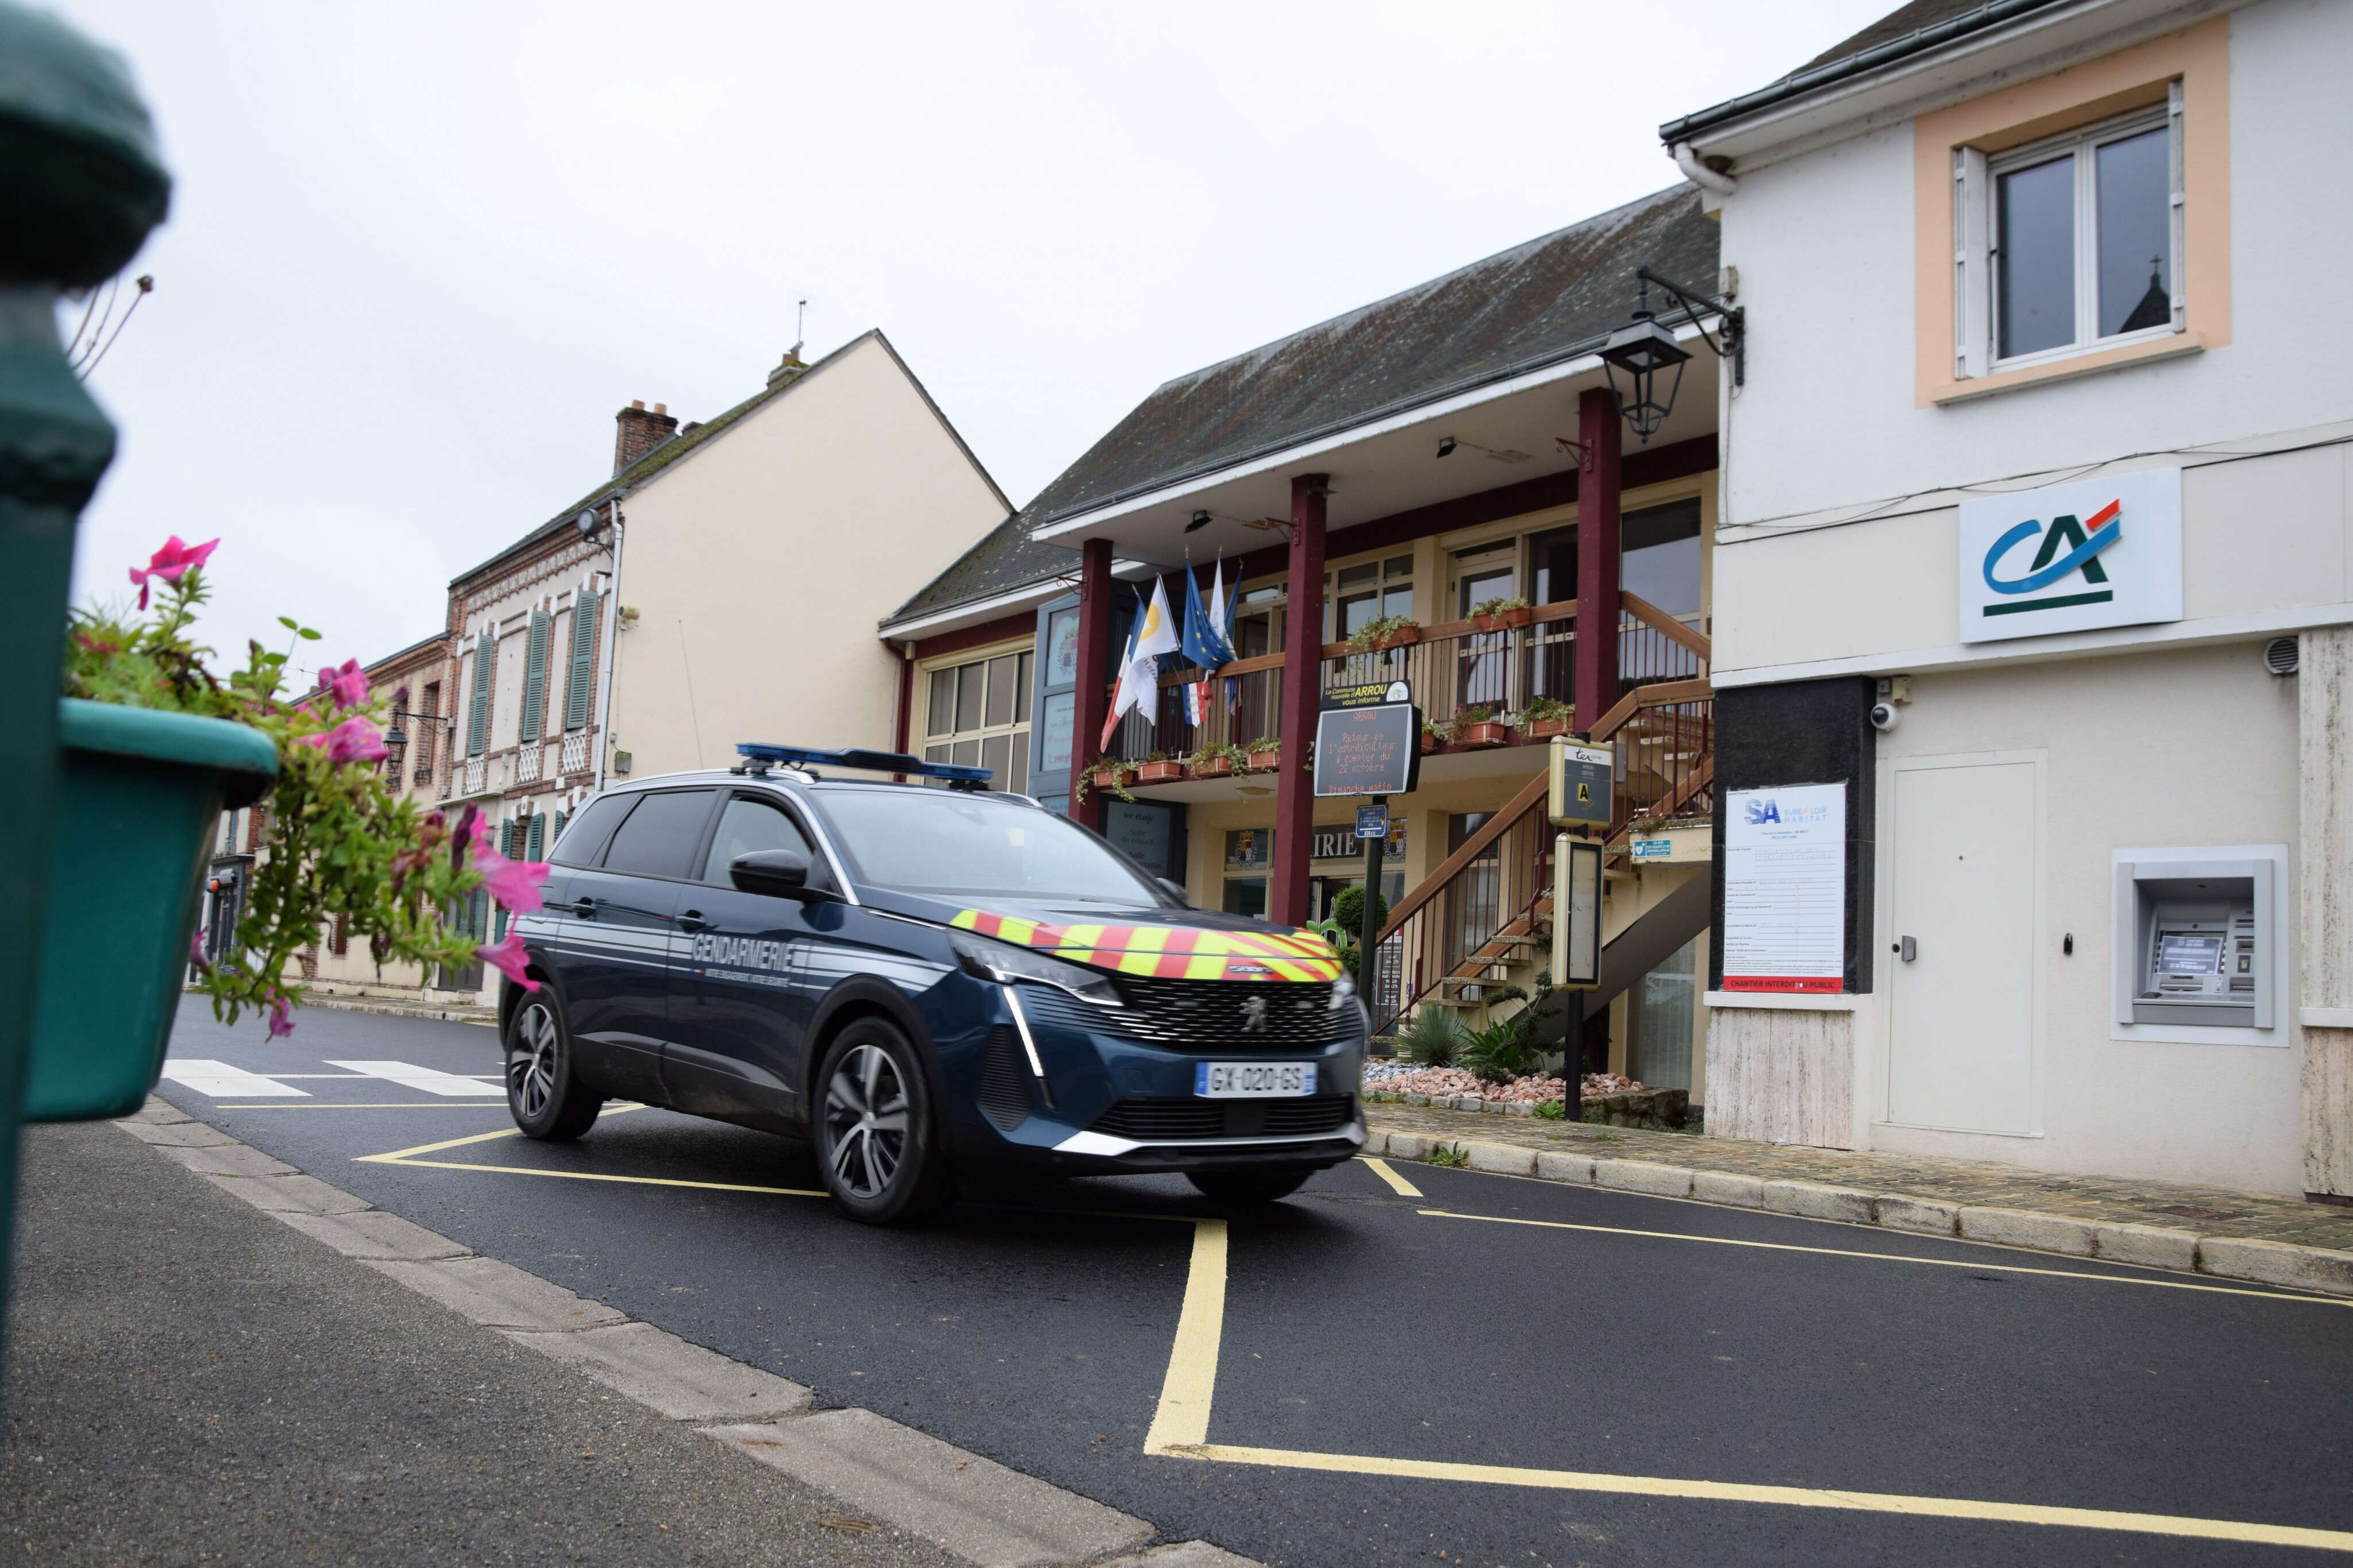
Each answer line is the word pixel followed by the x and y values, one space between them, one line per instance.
pixel 1695 306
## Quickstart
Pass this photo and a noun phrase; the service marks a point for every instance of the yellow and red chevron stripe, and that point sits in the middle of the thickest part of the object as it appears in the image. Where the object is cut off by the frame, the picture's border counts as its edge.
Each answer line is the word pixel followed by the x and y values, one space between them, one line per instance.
pixel 1167 953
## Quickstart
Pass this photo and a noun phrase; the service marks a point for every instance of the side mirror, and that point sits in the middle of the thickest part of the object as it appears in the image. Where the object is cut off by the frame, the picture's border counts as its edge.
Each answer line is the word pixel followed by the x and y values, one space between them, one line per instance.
pixel 1175 890
pixel 777 873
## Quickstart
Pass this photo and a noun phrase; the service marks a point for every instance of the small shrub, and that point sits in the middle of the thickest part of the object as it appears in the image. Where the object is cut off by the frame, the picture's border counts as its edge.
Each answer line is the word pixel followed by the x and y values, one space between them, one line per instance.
pixel 1551 1111
pixel 1433 1039
pixel 1450 1155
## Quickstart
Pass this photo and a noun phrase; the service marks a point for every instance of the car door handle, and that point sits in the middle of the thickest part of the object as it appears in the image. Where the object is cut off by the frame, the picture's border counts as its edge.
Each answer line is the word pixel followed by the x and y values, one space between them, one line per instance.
pixel 584 907
pixel 1907 949
pixel 692 921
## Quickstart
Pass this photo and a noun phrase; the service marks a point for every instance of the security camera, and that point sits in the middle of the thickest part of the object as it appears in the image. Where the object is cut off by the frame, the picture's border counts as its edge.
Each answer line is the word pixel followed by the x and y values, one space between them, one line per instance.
pixel 1885 715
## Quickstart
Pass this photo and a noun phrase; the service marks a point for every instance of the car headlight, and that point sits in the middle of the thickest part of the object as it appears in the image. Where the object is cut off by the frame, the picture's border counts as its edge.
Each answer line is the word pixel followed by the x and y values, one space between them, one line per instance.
pixel 1006 964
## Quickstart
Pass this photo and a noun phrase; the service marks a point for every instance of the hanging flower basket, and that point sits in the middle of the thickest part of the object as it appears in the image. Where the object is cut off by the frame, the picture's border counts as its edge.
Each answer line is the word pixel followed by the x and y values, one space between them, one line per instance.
pixel 139 800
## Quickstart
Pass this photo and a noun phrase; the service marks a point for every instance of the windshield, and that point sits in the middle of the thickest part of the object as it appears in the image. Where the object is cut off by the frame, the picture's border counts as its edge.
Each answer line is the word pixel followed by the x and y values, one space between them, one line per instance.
pixel 955 846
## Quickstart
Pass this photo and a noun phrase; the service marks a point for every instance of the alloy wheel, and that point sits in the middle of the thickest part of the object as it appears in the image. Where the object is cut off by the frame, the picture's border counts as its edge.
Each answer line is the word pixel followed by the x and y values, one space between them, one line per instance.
pixel 531 1068
pixel 867 1121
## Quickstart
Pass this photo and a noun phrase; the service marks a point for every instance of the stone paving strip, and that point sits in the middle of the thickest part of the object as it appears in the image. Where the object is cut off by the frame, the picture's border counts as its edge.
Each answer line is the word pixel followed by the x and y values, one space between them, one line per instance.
pixel 2252 1237
pixel 971 1506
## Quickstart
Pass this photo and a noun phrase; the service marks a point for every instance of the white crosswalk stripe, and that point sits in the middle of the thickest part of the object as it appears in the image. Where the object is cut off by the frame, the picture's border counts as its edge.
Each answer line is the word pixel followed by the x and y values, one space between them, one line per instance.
pixel 223 1081
pixel 426 1081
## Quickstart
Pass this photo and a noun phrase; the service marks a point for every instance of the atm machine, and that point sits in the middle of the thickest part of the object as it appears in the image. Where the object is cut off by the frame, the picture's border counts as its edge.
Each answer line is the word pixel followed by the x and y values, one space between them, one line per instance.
pixel 2203 952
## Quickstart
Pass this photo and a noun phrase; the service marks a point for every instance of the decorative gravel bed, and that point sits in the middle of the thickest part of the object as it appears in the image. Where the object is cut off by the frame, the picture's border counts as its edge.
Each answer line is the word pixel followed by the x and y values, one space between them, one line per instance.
pixel 1448 1083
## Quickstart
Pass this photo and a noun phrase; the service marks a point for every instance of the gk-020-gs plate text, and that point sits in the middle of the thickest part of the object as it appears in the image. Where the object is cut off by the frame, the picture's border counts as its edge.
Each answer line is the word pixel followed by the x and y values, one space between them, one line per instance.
pixel 1253 1081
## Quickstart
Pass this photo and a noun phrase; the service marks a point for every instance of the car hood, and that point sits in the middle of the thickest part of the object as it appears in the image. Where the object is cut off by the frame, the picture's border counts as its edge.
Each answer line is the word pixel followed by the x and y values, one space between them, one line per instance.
pixel 1167 944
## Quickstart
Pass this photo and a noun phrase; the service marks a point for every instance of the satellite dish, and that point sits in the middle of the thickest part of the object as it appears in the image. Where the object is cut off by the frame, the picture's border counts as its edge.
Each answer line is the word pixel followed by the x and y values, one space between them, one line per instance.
pixel 588 522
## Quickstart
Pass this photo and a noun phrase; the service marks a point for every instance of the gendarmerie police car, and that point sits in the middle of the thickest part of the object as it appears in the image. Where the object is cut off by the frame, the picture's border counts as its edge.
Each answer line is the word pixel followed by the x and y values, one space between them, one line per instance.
pixel 921 981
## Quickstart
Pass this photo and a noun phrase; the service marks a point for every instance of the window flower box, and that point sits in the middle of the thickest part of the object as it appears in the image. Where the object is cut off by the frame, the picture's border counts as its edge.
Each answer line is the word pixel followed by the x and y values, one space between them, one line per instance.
pixel 1431 740
pixel 1487 732
pixel 1544 729
pixel 1102 778
pixel 1159 772
pixel 1214 768
pixel 1265 762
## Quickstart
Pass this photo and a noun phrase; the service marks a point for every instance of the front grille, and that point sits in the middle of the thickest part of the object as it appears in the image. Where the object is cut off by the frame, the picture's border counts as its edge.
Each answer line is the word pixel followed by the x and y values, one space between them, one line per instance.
pixel 1208 1015
pixel 1180 1120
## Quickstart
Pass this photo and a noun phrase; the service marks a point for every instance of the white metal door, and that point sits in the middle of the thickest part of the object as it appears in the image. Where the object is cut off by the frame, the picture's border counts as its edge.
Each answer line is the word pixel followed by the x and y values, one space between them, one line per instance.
pixel 1961 1035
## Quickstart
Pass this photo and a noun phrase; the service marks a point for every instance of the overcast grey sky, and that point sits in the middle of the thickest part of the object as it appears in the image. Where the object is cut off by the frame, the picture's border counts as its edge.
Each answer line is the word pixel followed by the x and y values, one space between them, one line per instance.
pixel 419 253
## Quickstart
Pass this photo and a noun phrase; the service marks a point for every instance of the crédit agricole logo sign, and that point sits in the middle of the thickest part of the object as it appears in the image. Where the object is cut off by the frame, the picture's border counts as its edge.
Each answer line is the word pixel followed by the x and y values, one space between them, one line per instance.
pixel 2072 557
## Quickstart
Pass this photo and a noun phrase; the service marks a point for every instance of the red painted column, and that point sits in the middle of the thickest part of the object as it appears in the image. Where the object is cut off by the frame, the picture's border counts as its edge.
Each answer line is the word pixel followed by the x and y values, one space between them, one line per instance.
pixel 1094 671
pixel 1598 543
pixel 1302 698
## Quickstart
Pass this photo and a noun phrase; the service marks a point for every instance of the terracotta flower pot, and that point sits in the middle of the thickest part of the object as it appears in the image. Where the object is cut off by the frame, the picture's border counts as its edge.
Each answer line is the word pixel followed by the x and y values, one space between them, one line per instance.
pixel 1521 616
pixel 1265 762
pixel 1491 734
pixel 1102 778
pixel 1159 772
pixel 1545 729
pixel 1486 624
pixel 1404 636
pixel 1430 742
pixel 1213 768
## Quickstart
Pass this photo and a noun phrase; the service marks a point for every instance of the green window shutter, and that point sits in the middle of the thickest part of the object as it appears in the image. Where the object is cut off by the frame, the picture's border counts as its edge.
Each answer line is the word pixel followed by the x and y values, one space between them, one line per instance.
pixel 534 680
pixel 581 674
pixel 502 928
pixel 538 833
pixel 478 713
pixel 506 836
pixel 557 837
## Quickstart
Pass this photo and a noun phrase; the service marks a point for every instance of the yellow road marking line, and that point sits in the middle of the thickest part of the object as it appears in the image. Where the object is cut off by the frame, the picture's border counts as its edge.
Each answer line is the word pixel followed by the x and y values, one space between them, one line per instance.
pixel 401 1157
pixel 1397 1184
pixel 499 1104
pixel 1787 1497
pixel 1896 1257
pixel 1183 1416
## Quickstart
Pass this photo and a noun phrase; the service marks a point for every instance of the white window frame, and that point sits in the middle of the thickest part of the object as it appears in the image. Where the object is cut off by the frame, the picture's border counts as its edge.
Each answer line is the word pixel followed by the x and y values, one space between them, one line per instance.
pixel 1977 241
pixel 1017 729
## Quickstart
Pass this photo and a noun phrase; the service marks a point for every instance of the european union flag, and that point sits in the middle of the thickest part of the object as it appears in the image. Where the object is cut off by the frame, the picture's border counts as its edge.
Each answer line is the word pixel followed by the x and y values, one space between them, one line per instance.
pixel 1205 642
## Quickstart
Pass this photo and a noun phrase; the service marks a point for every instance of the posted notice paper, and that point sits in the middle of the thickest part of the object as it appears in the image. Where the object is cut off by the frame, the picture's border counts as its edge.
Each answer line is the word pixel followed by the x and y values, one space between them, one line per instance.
pixel 1785 889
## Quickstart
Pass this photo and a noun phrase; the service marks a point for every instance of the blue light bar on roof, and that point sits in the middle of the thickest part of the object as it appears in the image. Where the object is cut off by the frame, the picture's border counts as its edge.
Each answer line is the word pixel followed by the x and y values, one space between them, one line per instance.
pixel 877 761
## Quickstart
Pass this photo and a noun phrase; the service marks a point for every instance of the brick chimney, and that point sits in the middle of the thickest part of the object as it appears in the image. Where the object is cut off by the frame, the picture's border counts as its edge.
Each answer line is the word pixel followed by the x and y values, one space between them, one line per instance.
pixel 791 367
pixel 639 430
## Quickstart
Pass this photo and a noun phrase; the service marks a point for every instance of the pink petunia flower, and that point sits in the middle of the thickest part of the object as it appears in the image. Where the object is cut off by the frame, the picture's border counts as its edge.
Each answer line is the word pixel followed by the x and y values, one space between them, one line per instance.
pixel 170 563
pixel 353 741
pixel 281 1020
pixel 348 681
pixel 506 956
pixel 515 884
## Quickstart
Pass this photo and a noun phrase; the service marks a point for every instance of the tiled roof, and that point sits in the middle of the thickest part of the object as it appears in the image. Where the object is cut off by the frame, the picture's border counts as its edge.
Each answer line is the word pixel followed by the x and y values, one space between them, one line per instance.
pixel 1550 299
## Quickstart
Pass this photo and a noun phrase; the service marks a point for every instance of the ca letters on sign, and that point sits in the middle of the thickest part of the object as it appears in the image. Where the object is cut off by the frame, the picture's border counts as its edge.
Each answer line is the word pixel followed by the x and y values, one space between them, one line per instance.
pixel 2073 557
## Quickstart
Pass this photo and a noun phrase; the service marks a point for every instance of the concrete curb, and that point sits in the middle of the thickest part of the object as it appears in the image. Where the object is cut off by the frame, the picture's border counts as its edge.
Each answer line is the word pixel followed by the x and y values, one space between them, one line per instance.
pixel 974 1507
pixel 2324 1270
pixel 387 1007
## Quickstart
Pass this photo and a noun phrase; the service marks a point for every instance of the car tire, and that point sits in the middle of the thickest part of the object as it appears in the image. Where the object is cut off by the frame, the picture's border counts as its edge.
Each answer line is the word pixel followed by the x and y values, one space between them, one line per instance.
pixel 877 1145
pixel 544 1095
pixel 1258 1186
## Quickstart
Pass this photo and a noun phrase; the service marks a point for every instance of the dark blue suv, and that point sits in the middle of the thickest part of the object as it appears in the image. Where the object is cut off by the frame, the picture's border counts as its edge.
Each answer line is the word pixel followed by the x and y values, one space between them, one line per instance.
pixel 921 980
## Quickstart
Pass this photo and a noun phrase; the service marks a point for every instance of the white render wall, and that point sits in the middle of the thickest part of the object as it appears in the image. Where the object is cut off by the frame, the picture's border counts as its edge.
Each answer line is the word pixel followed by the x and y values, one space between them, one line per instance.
pixel 2164 749
pixel 1827 422
pixel 761 564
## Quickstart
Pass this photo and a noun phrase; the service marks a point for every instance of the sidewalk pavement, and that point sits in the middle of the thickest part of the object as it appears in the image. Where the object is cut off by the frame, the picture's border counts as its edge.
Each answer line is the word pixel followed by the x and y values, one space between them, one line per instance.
pixel 2235 1235
pixel 192 1376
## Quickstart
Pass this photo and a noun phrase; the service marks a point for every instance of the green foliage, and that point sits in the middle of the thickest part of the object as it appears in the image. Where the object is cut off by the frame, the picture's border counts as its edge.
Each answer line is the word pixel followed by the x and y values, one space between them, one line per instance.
pixel 1547 708
pixel 1450 1155
pixel 340 839
pixel 1236 757
pixel 1368 637
pixel 1433 1038
pixel 1502 1051
pixel 1551 1111
pixel 1464 718
pixel 1348 908
pixel 1497 607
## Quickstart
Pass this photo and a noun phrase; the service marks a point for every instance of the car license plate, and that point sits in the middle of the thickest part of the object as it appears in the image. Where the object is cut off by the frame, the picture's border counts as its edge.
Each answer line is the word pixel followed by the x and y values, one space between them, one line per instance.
pixel 1252 1080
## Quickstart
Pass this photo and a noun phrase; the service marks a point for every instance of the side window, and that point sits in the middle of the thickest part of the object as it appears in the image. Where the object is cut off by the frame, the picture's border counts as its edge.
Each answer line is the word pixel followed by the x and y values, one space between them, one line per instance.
pixel 584 838
pixel 749 825
pixel 659 837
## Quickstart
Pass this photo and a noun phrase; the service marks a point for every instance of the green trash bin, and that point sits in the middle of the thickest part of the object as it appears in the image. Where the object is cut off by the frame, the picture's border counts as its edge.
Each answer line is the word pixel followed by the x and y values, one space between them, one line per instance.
pixel 138 802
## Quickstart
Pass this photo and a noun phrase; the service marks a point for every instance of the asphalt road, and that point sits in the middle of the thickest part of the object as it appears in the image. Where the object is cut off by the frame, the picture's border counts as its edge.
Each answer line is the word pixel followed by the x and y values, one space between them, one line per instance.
pixel 1480 1323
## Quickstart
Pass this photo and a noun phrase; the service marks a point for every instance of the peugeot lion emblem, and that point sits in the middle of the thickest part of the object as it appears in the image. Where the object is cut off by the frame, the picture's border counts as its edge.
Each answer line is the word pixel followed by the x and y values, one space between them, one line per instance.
pixel 1253 1014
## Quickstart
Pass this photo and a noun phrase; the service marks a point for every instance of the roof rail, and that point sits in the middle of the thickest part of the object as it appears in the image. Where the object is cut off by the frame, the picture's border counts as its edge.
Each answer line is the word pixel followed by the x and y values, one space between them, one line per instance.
pixel 957 775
